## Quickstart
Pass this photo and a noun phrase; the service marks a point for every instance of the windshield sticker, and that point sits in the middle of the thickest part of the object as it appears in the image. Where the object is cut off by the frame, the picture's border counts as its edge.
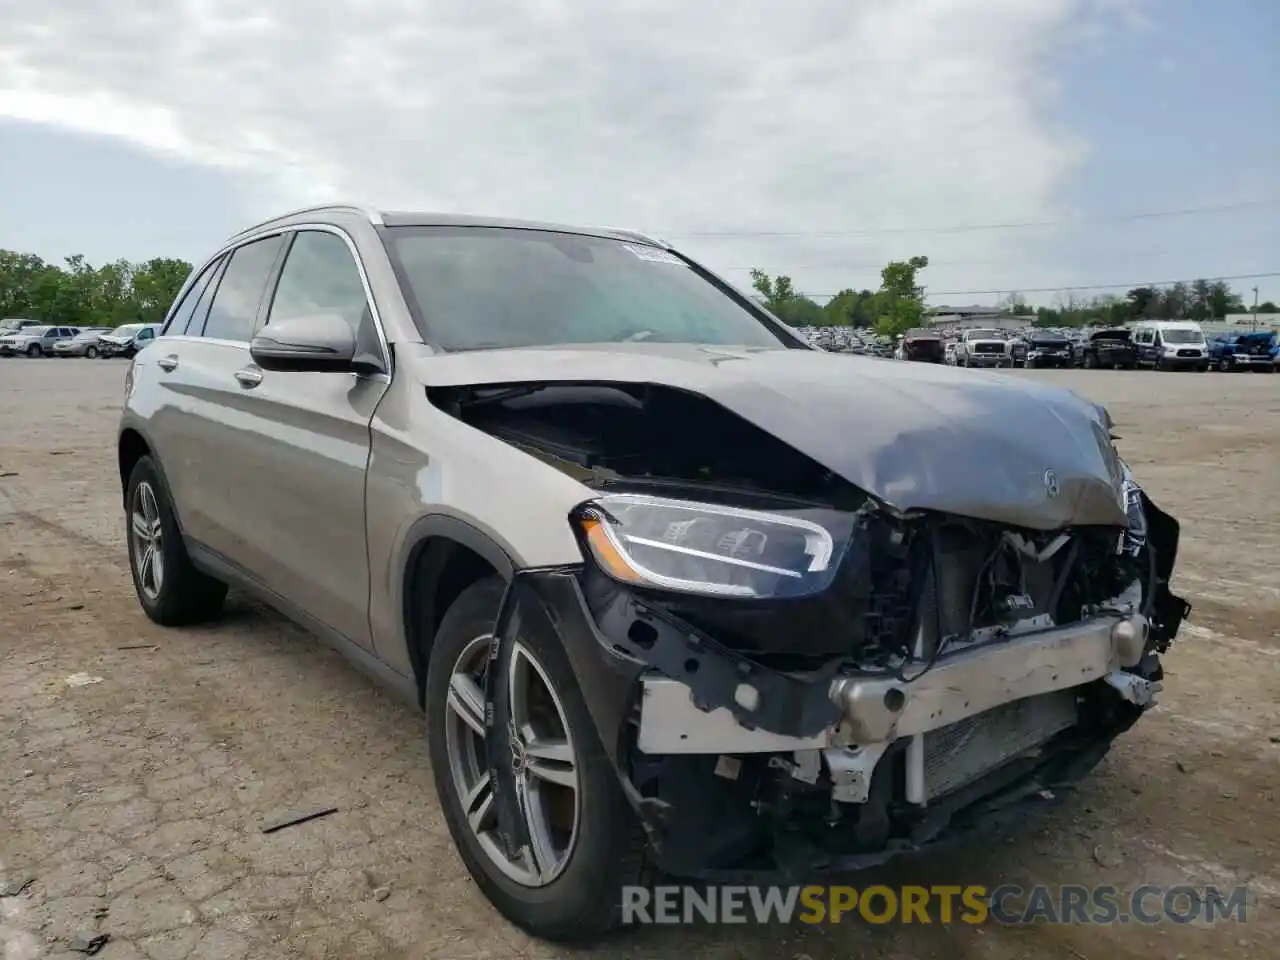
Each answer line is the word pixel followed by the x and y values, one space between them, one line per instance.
pixel 655 255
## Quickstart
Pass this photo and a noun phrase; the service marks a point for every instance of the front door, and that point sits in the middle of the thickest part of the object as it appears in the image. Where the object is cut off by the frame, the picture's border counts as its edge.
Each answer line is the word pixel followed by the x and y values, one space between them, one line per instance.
pixel 301 453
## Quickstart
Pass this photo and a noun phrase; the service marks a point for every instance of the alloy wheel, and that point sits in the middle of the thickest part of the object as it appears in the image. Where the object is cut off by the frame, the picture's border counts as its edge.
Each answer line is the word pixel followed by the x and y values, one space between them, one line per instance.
pixel 542 760
pixel 148 540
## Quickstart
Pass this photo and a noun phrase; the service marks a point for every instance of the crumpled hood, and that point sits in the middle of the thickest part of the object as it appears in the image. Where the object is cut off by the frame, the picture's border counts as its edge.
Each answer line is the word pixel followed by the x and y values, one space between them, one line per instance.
pixel 917 436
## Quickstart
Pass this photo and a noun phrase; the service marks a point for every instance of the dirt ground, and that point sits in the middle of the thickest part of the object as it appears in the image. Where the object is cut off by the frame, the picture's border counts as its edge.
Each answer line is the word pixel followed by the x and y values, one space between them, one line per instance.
pixel 134 804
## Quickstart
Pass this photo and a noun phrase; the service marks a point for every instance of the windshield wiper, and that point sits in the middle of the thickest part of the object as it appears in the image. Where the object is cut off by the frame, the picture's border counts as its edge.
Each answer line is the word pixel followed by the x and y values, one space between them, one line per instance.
pixel 477 399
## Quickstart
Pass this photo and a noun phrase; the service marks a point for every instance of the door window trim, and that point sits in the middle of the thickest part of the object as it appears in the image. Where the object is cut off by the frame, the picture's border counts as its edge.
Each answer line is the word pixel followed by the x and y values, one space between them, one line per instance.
pixel 226 265
pixel 383 347
pixel 276 230
pixel 205 275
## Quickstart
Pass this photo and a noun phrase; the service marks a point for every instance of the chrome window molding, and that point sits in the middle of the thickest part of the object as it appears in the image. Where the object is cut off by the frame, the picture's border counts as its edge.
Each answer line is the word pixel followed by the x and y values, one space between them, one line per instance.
pixel 265 231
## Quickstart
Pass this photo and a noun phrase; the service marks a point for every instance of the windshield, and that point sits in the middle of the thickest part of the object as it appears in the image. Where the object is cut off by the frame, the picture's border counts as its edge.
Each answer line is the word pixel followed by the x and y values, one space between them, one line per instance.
pixel 33 331
pixel 1182 336
pixel 985 335
pixel 128 330
pixel 475 288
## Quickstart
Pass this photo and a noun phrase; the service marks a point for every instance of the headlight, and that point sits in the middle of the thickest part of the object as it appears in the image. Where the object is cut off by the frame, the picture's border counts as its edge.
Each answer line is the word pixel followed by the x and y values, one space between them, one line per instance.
pixel 714 550
pixel 1136 535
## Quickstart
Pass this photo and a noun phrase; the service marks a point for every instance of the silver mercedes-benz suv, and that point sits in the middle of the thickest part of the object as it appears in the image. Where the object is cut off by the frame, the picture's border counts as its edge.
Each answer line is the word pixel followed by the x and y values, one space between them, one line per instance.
pixel 677 592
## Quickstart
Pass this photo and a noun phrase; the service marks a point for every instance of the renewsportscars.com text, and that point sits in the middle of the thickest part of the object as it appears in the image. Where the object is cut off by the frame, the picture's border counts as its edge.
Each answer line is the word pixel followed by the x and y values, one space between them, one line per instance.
pixel 973 904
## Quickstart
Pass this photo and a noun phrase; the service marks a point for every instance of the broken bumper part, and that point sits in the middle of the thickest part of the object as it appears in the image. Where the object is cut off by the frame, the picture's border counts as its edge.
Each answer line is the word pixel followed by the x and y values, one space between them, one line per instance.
pixel 877 710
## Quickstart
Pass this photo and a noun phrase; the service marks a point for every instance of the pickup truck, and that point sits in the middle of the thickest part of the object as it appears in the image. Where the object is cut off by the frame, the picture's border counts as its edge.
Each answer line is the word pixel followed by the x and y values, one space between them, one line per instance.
pixel 983 348
pixel 922 346
pixel 1046 350
pixel 1245 351
pixel 1108 348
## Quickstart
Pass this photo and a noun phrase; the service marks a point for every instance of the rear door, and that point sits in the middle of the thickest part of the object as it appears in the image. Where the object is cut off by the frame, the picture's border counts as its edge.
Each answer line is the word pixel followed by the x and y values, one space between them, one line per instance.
pixel 299 460
pixel 202 403
pixel 1144 339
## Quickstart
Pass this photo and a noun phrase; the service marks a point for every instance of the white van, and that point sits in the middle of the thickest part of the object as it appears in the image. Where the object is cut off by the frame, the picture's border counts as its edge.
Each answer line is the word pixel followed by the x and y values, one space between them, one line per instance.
pixel 1171 344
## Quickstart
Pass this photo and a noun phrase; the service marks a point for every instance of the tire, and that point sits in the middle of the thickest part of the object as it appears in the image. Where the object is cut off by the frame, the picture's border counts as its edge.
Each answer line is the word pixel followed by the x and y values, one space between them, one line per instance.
pixel 1090 361
pixel 583 901
pixel 183 595
pixel 1223 365
pixel 34 351
pixel 91 353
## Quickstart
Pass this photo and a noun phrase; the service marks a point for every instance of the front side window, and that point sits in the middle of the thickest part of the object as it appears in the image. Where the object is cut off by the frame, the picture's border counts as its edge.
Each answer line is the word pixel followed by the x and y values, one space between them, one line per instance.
pixel 320 276
pixel 235 304
pixel 474 288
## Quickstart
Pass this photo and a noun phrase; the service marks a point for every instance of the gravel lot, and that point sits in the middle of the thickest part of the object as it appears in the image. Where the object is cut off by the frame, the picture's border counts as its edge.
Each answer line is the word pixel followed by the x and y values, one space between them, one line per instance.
pixel 134 805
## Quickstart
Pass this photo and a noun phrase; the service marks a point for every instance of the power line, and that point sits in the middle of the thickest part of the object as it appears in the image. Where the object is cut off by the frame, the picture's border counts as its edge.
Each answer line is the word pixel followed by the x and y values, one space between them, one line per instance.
pixel 934 264
pixel 1090 286
pixel 973 227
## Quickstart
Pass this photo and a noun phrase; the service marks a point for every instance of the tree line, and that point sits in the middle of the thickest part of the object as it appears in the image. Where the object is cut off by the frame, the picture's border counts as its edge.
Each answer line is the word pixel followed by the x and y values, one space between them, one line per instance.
pixel 899 303
pixel 895 308
pixel 77 294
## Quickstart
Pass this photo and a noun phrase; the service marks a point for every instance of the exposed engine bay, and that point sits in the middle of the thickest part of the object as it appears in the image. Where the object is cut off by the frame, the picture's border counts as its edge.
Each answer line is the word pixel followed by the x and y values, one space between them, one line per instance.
pixel 801 676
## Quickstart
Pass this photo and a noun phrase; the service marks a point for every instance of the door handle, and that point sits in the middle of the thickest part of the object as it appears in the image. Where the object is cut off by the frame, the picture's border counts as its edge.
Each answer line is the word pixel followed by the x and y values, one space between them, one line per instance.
pixel 249 377
pixel 168 363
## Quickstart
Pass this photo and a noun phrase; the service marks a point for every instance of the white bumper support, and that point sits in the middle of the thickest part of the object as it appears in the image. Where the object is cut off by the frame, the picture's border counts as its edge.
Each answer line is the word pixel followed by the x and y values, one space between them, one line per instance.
pixel 878 710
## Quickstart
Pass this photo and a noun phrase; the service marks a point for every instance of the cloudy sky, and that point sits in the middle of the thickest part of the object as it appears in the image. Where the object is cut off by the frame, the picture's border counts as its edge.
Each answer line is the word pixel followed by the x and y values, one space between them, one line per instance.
pixel 1020 144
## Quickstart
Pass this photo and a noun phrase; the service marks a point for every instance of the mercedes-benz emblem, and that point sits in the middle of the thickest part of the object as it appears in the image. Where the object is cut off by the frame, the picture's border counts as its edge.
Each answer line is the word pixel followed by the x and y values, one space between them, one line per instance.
pixel 519 759
pixel 1051 485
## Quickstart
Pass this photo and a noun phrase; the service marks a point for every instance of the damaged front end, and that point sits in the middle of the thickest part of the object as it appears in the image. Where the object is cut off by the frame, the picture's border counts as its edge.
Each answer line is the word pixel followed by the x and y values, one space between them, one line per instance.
pixel 791 676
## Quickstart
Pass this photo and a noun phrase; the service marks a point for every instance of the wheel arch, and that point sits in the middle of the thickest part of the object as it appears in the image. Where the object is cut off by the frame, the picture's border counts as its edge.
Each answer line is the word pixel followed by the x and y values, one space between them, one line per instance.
pixel 443 556
pixel 131 447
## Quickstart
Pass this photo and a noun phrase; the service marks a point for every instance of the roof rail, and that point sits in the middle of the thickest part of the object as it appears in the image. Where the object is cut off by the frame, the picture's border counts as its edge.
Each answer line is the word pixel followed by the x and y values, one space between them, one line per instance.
pixel 373 216
pixel 641 235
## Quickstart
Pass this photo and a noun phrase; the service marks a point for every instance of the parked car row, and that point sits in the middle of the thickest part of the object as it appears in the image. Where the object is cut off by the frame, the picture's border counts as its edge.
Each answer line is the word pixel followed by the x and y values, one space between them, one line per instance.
pixel 1259 350
pixel 1157 345
pixel 36 340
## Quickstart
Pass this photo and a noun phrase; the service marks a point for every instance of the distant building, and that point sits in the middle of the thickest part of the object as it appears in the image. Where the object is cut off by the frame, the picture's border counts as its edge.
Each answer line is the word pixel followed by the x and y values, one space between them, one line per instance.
pixel 968 318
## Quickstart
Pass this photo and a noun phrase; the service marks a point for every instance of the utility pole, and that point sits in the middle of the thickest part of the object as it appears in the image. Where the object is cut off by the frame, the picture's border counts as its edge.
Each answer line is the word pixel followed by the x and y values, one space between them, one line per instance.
pixel 1255 309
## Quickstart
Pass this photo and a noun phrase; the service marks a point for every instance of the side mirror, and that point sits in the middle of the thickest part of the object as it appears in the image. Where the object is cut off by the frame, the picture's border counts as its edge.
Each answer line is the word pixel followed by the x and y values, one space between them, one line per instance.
pixel 319 342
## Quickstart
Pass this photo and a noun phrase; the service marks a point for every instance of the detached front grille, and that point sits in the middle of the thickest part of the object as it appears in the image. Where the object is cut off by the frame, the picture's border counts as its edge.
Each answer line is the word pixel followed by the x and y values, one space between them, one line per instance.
pixel 960 753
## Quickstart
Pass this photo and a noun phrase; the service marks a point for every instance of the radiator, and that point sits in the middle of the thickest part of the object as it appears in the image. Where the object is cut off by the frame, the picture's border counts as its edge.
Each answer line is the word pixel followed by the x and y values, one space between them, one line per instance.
pixel 961 752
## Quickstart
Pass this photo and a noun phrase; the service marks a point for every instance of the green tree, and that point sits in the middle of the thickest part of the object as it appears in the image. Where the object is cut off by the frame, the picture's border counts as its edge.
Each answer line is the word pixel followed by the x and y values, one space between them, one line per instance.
pixel 850 308
pixel 1015 305
pixel 1199 308
pixel 1266 306
pixel 899 303
pixel 155 284
pixel 80 294
pixel 782 300
pixel 1223 300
